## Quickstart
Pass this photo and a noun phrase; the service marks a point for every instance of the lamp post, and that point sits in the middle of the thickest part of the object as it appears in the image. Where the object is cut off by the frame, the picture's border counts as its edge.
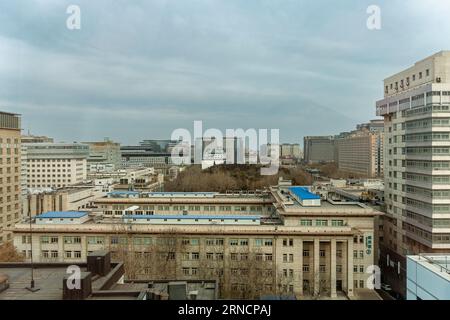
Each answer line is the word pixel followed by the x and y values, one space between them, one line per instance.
pixel 32 286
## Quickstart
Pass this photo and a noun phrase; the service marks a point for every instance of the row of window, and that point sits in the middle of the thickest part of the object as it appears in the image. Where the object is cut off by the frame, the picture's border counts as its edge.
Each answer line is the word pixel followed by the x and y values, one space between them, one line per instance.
pixel 194 208
pixel 406 81
pixel 321 223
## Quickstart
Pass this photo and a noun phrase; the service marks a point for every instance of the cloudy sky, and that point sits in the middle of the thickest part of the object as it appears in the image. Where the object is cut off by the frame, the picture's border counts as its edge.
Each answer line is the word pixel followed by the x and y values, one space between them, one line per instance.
pixel 140 69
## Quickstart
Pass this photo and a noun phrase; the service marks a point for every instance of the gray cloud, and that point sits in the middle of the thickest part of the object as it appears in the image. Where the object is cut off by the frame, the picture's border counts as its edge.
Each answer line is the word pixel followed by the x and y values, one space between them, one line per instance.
pixel 139 69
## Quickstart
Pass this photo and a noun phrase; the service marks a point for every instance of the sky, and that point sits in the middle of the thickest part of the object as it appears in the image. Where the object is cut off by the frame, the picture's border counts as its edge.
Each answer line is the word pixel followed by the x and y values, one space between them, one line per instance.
pixel 140 69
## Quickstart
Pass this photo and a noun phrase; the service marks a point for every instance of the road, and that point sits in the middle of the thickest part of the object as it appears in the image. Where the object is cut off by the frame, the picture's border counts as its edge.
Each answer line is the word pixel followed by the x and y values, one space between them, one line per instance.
pixel 384 295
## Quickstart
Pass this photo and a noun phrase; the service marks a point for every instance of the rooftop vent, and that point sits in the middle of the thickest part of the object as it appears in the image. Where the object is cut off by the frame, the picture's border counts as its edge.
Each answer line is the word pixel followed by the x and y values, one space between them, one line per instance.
pixel 99 262
pixel 77 291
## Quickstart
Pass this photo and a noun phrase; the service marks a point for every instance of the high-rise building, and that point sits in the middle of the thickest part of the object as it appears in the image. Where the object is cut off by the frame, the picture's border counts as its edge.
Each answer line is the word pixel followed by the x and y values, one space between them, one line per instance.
pixel 55 165
pixel 361 151
pixel 10 173
pixel 319 149
pixel 416 111
pixel 104 155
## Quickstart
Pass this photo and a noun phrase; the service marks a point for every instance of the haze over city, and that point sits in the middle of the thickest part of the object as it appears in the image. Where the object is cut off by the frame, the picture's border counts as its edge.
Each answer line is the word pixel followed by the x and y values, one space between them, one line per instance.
pixel 143 69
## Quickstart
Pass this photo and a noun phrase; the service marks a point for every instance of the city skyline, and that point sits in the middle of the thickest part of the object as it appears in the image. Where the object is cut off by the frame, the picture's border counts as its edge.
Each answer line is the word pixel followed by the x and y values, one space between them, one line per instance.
pixel 151 67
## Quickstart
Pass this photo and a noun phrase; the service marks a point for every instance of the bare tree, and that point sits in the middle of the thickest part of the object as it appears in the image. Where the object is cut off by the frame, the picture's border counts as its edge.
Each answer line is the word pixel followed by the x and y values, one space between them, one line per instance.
pixel 8 253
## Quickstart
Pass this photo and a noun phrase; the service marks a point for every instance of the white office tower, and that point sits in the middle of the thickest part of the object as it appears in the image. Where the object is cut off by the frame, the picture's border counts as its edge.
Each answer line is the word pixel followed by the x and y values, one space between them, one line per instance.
pixel 416 110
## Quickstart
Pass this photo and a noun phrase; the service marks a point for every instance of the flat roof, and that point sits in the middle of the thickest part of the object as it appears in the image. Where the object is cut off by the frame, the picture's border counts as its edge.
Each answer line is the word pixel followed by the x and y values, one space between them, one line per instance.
pixel 203 217
pixel 62 214
pixel 303 193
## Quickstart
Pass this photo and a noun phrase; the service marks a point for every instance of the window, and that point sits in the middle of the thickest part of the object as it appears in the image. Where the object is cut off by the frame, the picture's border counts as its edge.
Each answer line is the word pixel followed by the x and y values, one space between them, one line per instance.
pixel 306 268
pixel 306 222
pixel 322 253
pixel 338 268
pixel 322 268
pixel 306 253
pixel 234 242
pixel 72 240
pixel 321 223
pixel 337 223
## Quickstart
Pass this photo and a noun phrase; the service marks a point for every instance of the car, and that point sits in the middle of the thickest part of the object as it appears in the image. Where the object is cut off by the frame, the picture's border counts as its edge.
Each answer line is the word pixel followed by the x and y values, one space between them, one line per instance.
pixel 386 287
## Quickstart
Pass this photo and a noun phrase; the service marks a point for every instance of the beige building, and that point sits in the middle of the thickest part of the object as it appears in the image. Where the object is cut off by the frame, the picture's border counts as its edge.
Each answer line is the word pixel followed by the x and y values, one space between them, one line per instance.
pixel 55 165
pixel 361 152
pixel 290 150
pixel 284 241
pixel 416 111
pixel 10 173
pixel 72 198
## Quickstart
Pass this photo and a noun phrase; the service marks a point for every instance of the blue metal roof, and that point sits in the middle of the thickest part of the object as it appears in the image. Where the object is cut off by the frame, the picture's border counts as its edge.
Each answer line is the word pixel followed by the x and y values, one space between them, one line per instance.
pixel 124 192
pixel 181 192
pixel 203 217
pixel 303 193
pixel 62 214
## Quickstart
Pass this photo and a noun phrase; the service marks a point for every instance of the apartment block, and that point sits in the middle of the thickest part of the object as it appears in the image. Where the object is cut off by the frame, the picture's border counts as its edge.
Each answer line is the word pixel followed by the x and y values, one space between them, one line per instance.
pixel 416 111
pixel 10 173
pixel 286 240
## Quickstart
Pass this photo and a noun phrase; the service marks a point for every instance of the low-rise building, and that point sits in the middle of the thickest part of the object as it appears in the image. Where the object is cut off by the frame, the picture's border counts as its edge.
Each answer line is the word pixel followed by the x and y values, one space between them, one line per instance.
pixel 281 241
pixel 72 198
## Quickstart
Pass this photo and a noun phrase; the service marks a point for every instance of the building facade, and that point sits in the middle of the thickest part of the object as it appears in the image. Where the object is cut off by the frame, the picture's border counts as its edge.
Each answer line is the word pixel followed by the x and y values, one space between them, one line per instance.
pixel 55 165
pixel 290 150
pixel 319 149
pixel 361 152
pixel 416 111
pixel 10 173
pixel 284 241
pixel 104 155
pixel 428 277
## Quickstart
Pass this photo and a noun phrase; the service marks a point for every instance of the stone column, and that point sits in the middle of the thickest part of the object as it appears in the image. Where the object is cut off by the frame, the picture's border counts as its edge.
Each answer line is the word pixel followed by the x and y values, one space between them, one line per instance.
pixel 350 267
pixel 316 274
pixel 300 263
pixel 333 268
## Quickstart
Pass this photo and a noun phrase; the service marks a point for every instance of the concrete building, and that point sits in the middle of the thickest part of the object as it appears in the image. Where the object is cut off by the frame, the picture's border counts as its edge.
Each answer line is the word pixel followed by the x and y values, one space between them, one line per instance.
pixel 282 241
pixel 36 139
pixel 100 279
pixel 428 277
pixel 290 150
pixel 104 155
pixel 10 173
pixel 416 111
pixel 361 152
pixel 319 149
pixel 71 198
pixel 55 165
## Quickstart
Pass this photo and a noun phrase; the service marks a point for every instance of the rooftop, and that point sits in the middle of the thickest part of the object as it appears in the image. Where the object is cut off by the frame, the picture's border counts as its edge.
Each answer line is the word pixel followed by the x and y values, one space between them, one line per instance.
pixel 62 214
pixel 303 193
pixel 202 217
